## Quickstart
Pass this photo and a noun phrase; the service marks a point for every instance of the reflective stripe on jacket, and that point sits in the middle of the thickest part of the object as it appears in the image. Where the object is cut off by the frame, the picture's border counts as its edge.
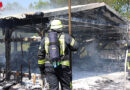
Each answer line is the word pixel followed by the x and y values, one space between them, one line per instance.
pixel 66 42
pixel 128 62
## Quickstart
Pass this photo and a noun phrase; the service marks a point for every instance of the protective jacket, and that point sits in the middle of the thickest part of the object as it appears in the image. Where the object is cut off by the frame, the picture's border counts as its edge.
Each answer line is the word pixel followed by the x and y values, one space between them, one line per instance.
pixel 127 46
pixel 128 62
pixel 62 73
pixel 66 43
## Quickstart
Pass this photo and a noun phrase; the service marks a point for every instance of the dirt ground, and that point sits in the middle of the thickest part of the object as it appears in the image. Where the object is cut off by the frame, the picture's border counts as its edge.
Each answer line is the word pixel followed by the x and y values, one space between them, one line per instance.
pixel 113 81
pixel 87 75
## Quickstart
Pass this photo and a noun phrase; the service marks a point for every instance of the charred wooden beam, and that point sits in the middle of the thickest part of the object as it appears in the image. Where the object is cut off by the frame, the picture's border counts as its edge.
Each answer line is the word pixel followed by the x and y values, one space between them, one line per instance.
pixel 0 72
pixel 8 86
pixel 26 39
pixel 13 22
pixel 3 73
pixel 21 74
pixel 29 67
pixel 21 47
pixel 8 33
pixel 17 76
pixel 2 80
pixel 15 44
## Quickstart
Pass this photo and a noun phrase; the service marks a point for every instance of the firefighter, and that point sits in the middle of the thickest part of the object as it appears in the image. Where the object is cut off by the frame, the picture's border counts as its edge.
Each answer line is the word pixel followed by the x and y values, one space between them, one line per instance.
pixel 60 71
pixel 128 64
pixel 127 47
pixel 128 60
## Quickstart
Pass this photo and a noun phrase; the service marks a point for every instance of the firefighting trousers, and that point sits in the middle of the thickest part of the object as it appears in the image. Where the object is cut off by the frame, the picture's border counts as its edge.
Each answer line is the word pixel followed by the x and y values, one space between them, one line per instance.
pixel 61 74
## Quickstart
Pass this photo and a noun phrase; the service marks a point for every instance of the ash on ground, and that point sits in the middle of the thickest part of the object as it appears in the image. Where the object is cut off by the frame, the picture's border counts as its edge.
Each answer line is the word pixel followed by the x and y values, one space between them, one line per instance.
pixel 99 74
pixel 87 75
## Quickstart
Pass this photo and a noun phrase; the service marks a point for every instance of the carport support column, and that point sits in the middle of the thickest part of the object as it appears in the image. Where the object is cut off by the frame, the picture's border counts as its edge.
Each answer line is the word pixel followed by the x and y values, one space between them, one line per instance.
pixel 70 54
pixel 7 52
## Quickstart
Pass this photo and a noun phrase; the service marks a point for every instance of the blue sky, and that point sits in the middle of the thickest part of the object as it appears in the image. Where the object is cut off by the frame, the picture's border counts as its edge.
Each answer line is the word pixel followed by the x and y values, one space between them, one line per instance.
pixel 23 3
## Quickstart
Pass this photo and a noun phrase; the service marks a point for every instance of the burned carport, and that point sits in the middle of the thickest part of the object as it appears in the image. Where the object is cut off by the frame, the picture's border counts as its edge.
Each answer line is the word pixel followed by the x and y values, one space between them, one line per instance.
pixel 95 22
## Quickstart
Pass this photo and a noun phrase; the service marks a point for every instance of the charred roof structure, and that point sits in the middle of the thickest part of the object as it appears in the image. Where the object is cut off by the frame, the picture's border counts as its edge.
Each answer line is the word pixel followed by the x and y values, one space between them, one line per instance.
pixel 93 13
pixel 96 21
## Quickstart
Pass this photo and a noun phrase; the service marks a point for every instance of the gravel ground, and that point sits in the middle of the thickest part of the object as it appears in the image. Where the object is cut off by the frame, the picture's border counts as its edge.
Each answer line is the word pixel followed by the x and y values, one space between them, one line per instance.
pixel 96 74
pixel 87 75
pixel 113 81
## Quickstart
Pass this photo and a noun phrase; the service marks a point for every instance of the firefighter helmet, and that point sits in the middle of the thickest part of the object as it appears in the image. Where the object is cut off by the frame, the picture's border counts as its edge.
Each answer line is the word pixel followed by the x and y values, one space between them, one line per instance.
pixel 56 25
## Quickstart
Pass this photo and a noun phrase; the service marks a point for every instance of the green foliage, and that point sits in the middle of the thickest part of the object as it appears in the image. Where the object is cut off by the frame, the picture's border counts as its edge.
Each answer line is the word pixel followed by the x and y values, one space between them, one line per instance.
pixel 31 6
pixel 122 6
pixel 39 5
pixel 59 3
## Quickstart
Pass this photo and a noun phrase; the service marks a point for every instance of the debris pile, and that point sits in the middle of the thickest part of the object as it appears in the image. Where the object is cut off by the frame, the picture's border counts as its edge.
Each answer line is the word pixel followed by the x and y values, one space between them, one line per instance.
pixel 15 82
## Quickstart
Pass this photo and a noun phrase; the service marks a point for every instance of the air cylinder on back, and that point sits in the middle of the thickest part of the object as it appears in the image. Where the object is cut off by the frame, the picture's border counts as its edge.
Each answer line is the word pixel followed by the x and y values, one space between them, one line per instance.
pixel 53 45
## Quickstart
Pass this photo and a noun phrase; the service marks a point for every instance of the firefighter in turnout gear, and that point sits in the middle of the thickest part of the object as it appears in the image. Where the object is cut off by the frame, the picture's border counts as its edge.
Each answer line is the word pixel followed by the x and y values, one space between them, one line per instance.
pixel 128 59
pixel 128 55
pixel 128 63
pixel 127 47
pixel 53 57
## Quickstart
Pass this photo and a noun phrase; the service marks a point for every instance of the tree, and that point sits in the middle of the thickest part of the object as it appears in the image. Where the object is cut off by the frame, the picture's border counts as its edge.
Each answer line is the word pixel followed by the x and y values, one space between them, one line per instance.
pixel 39 5
pixel 122 6
pixel 58 3
pixel 31 6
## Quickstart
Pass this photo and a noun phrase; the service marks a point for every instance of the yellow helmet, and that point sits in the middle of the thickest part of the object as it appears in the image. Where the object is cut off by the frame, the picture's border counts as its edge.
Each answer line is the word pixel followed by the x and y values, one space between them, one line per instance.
pixel 56 25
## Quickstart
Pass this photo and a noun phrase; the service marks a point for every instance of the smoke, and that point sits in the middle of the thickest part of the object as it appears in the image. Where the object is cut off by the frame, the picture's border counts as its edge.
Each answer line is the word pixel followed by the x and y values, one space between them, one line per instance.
pixel 87 59
pixel 95 56
pixel 87 62
pixel 24 53
pixel 2 61
pixel 15 8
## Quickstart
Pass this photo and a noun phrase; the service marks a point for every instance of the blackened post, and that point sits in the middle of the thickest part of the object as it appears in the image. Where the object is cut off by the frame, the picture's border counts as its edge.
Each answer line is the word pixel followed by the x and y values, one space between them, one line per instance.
pixel 17 77
pixel 0 72
pixel 3 73
pixel 21 47
pixel 15 44
pixel 21 74
pixel 29 67
pixel 7 52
